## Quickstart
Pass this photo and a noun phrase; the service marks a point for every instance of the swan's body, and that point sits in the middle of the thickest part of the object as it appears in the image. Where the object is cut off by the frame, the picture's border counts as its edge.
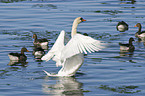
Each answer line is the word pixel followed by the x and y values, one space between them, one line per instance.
pixel 70 56
pixel 71 65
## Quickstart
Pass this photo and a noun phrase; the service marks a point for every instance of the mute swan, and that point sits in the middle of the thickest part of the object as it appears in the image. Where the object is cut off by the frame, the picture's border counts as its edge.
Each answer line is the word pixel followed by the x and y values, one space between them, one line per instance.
pixel 70 56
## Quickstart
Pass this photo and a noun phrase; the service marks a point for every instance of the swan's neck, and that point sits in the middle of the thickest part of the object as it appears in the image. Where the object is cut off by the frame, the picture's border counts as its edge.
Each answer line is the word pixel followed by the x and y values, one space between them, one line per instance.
pixel 74 28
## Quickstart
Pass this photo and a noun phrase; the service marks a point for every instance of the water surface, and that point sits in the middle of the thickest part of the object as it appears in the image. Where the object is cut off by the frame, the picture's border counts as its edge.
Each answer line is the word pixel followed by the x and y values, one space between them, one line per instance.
pixel 107 72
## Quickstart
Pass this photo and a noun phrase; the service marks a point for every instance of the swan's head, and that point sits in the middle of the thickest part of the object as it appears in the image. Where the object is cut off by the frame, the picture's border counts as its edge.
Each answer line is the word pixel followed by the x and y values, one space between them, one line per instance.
pixel 75 24
pixel 79 20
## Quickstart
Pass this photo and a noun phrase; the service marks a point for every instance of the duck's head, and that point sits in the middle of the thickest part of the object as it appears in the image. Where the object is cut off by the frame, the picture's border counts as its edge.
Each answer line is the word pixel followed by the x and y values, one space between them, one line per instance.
pixel 24 50
pixel 138 25
pixel 79 20
pixel 131 39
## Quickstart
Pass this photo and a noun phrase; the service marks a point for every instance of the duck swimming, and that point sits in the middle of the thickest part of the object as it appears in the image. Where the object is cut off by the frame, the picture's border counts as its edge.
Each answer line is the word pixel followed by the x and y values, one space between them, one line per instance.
pixel 128 46
pixel 18 56
pixel 139 34
pixel 122 26
pixel 41 42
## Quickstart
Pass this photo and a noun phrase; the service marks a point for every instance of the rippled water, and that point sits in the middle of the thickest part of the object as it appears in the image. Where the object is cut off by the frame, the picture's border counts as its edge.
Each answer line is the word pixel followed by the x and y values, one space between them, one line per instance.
pixel 104 73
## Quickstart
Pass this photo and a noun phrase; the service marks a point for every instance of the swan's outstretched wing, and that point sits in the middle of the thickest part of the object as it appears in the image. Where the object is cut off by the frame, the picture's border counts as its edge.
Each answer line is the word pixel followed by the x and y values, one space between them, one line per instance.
pixel 79 44
pixel 56 48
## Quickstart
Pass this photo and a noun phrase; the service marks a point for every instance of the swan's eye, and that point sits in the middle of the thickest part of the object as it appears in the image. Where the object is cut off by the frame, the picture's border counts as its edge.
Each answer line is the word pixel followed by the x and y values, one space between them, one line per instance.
pixel 82 19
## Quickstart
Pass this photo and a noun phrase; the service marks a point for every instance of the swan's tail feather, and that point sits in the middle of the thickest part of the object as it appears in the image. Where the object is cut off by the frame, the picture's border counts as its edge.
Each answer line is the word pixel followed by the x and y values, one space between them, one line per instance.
pixel 47 73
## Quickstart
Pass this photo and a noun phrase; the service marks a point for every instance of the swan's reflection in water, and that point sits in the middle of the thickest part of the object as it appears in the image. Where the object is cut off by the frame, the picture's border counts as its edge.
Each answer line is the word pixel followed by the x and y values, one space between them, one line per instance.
pixel 64 86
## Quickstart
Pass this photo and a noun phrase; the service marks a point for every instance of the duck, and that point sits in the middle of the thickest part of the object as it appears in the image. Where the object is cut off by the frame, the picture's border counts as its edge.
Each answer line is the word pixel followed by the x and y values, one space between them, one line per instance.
pixel 70 56
pixel 38 52
pixel 122 26
pixel 18 56
pixel 139 34
pixel 128 47
pixel 41 42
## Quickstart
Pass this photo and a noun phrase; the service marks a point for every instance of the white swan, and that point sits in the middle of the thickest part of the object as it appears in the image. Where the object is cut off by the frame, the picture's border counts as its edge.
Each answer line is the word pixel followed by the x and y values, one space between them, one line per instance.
pixel 70 56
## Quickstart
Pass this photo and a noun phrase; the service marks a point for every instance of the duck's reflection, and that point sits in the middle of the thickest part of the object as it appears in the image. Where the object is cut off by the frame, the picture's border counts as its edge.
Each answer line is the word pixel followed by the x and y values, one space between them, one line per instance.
pixel 38 52
pixel 44 47
pixel 64 86
pixel 140 42
pixel 18 63
pixel 127 56
pixel 127 1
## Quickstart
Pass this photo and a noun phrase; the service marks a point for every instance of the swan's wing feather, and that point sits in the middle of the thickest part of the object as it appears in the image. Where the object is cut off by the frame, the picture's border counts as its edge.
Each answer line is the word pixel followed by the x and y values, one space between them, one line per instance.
pixel 79 44
pixel 56 48
pixel 59 44
pixel 71 65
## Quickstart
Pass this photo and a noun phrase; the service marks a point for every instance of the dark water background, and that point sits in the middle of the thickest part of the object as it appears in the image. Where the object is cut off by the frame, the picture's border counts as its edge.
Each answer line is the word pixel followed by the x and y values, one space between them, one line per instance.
pixel 104 73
